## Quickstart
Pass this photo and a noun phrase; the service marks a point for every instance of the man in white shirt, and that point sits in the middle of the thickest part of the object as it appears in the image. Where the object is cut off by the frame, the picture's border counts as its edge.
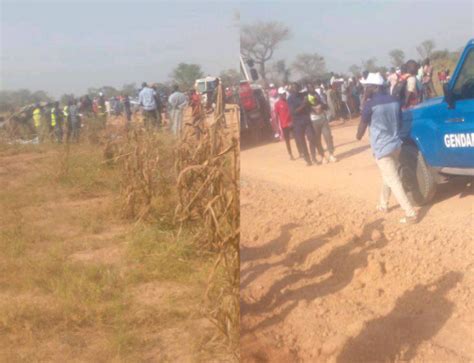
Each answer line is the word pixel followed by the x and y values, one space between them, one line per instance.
pixel 177 102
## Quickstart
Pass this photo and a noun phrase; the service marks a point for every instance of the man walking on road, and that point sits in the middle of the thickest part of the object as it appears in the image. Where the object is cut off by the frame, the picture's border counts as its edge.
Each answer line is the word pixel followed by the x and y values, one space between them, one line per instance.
pixel 177 102
pixel 146 99
pixel 382 114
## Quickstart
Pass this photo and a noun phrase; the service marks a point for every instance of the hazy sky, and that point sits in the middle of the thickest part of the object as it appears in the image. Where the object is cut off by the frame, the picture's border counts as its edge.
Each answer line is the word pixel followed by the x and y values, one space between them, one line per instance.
pixel 69 46
pixel 346 32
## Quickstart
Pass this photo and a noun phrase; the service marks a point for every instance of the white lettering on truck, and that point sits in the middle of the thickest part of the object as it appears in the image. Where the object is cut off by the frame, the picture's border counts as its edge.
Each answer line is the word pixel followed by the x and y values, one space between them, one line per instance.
pixel 459 140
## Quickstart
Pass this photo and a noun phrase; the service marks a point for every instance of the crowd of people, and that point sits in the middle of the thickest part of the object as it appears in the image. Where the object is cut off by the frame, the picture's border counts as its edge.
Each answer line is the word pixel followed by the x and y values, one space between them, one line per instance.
pixel 306 109
pixel 53 121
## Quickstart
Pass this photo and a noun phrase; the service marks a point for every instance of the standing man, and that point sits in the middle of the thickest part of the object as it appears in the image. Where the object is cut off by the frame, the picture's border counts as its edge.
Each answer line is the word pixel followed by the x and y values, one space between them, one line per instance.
pixel 382 114
pixel 146 99
pixel 177 102
pixel 128 109
pixel 300 113
pixel 57 122
pixel 321 126
pixel 283 115
pixel 272 99
pixel 392 80
pixel 101 110
pixel 74 122
pixel 159 105
pixel 37 121
pixel 428 87
pixel 412 93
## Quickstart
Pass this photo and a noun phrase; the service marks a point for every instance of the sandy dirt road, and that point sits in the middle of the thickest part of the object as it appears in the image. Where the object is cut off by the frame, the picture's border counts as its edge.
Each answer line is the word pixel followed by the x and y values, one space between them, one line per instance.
pixel 325 278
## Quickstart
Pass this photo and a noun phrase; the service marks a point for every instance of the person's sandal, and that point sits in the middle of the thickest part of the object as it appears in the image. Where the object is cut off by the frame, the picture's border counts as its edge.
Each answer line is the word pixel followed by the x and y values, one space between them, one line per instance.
pixel 409 220
pixel 382 209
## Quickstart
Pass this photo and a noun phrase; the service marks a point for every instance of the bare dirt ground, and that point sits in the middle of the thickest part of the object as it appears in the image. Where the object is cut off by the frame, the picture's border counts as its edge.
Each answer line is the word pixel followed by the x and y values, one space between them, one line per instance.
pixel 326 278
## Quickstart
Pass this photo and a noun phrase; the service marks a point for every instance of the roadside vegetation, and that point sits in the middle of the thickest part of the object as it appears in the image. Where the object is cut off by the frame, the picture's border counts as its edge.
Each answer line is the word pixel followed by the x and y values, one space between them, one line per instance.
pixel 93 265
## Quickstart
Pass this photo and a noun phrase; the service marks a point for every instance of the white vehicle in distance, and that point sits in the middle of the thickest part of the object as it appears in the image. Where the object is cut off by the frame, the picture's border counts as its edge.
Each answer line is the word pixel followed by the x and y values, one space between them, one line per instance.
pixel 205 86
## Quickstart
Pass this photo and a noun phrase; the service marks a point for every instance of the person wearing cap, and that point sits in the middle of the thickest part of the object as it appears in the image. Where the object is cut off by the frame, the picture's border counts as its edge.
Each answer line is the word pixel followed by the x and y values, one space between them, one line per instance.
pixel 300 110
pixel 272 99
pixel 283 115
pixel 382 114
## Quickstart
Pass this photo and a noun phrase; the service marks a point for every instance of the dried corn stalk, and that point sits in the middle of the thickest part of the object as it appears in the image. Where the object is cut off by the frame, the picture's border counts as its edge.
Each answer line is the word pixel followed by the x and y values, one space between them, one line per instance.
pixel 139 160
pixel 208 190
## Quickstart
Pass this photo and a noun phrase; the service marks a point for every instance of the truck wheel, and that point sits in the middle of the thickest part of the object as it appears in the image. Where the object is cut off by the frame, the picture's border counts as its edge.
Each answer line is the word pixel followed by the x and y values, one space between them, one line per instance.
pixel 417 178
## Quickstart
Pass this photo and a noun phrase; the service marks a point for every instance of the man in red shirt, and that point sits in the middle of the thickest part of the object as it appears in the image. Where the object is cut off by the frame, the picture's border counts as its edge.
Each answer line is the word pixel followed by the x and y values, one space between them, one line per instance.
pixel 282 112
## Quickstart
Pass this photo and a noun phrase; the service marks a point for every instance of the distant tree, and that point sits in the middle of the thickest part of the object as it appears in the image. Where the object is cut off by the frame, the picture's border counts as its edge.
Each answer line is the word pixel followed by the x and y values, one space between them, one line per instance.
pixel 93 92
pixel 230 77
pixel 309 66
pixel 282 71
pixel 439 54
pixel 40 96
pixel 425 49
pixel 129 89
pixel 397 57
pixel 65 98
pixel 109 91
pixel 369 65
pixel 12 100
pixel 259 41
pixel 184 75
pixel 355 70
pixel 162 88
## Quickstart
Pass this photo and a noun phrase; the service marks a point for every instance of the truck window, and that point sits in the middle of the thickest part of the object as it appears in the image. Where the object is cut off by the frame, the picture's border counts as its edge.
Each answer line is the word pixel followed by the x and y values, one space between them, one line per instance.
pixel 201 87
pixel 464 86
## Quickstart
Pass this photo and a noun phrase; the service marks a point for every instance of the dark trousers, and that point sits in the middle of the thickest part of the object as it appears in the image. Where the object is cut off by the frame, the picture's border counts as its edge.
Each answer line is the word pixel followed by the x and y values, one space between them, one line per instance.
pixel 304 130
pixel 58 132
pixel 286 136
pixel 151 119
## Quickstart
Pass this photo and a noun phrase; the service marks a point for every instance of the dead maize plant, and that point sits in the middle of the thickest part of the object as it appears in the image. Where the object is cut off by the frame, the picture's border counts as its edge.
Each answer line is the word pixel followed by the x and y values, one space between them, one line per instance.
pixel 208 191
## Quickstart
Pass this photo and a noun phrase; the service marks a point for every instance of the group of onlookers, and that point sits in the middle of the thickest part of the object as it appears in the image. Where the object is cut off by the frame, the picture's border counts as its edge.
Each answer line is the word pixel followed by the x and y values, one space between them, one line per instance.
pixel 52 120
pixel 305 113
pixel 412 83
pixel 339 98
pixel 306 110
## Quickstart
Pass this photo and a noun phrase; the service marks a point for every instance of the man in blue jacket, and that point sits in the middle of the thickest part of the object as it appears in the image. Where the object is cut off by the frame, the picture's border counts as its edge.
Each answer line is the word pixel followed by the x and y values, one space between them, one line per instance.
pixel 382 114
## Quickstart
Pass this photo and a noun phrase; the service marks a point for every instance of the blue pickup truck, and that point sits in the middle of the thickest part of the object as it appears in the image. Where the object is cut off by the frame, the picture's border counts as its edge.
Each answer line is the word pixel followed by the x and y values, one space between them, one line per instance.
pixel 438 134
